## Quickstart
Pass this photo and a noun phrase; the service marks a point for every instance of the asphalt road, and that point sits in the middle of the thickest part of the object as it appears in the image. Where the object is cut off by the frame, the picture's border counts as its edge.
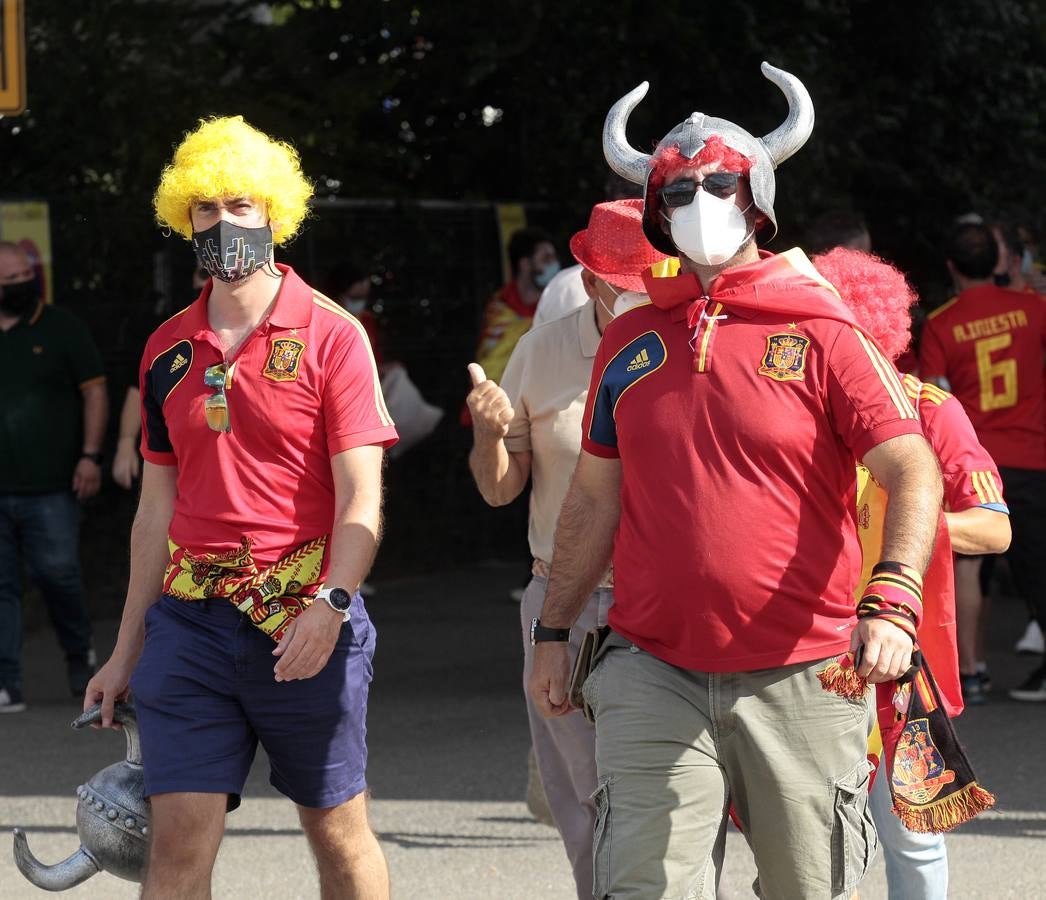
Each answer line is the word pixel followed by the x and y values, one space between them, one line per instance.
pixel 448 747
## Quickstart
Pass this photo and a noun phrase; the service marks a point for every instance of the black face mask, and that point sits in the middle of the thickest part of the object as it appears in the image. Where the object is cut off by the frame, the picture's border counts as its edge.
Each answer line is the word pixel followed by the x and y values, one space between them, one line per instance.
pixel 232 253
pixel 20 298
pixel 1001 279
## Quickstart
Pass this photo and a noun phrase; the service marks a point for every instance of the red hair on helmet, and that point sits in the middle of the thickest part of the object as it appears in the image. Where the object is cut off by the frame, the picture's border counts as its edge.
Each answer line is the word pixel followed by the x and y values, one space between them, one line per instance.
pixel 671 161
pixel 878 294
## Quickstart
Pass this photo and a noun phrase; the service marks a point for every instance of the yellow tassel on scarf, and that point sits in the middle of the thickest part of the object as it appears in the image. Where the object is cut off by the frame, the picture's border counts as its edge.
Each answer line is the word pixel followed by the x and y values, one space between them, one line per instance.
pixel 840 677
pixel 947 813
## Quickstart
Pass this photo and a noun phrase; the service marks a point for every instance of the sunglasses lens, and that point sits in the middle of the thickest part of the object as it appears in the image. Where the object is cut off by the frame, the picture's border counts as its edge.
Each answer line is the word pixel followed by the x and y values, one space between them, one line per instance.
pixel 679 194
pixel 216 409
pixel 214 376
pixel 721 184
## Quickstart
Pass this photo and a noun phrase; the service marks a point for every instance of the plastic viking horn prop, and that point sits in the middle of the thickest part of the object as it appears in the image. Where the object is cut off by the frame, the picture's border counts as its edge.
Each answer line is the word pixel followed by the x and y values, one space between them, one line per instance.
pixel 767 152
pixel 112 818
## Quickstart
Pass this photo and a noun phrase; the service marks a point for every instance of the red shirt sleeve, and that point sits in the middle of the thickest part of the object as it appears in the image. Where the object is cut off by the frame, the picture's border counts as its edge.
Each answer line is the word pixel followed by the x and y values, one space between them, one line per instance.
pixel 353 406
pixel 155 445
pixel 970 475
pixel 866 400
pixel 932 361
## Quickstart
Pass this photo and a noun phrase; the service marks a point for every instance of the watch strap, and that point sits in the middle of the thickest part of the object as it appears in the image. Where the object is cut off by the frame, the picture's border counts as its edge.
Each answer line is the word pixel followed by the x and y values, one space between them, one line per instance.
pixel 539 634
pixel 324 594
pixel 96 458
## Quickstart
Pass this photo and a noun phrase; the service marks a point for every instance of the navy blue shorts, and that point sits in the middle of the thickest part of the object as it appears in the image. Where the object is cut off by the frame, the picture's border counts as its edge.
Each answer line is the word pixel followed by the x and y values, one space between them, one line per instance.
pixel 205 694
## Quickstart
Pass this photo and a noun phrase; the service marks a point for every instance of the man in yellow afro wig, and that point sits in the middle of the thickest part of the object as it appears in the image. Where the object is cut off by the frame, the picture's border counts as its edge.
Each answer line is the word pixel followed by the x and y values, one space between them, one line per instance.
pixel 263 429
pixel 226 157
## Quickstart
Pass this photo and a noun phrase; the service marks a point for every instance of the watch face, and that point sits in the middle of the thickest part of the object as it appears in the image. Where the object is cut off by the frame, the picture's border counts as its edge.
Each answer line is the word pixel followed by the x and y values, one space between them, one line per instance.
pixel 340 599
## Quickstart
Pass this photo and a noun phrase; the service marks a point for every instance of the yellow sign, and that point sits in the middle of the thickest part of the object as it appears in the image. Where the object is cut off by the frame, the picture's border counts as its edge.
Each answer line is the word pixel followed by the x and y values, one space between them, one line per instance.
pixel 511 217
pixel 27 224
pixel 12 57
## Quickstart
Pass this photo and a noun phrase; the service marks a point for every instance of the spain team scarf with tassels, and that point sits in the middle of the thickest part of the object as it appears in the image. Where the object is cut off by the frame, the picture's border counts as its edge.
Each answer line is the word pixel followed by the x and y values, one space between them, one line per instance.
pixel 932 784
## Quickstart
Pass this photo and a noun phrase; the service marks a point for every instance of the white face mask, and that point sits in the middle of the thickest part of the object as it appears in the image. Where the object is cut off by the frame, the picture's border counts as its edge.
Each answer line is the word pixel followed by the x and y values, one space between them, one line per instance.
pixel 623 301
pixel 709 231
pixel 354 306
pixel 626 300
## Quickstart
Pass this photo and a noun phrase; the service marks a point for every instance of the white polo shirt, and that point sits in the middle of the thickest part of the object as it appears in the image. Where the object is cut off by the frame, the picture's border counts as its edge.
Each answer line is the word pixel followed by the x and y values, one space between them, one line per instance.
pixel 547 381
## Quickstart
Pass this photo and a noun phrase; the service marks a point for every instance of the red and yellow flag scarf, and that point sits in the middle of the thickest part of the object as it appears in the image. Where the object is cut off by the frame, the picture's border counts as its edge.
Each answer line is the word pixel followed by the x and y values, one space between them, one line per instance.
pixel 931 781
pixel 270 597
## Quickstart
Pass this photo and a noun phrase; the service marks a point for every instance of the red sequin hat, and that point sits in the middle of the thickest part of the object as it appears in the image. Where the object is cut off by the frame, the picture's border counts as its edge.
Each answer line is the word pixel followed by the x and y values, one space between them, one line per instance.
pixel 613 247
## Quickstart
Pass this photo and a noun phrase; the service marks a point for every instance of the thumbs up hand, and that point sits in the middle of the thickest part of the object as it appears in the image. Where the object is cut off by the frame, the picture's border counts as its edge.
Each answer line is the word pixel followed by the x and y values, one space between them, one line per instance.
pixel 488 404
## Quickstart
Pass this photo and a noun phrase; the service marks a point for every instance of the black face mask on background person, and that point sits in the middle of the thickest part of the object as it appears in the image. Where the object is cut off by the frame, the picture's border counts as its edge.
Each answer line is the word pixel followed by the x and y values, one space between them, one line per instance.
pixel 231 252
pixel 20 298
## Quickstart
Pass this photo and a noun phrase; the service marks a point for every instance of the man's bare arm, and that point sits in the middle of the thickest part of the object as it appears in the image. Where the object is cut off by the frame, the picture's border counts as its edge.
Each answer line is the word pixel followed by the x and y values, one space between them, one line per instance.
pixel 584 538
pixel 583 547
pixel 95 398
pixel 149 558
pixel 907 469
pixel 357 515
pixel 978 530
pixel 500 474
pixel 310 638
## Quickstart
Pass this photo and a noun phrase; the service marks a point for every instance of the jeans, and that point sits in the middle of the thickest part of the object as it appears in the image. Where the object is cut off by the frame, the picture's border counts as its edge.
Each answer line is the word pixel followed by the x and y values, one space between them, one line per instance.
pixel 916 864
pixel 44 529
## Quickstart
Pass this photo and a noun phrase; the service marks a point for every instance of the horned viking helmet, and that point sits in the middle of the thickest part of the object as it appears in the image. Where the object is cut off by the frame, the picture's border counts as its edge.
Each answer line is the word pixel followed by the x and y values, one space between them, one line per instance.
pixel 767 152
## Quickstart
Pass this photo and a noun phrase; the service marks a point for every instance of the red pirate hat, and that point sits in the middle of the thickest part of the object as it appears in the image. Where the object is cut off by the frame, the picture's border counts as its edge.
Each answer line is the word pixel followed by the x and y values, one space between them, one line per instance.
pixel 613 247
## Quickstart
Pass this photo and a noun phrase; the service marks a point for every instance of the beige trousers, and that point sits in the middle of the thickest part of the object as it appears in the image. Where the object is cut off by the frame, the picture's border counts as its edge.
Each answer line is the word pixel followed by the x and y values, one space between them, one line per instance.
pixel 675 749
pixel 565 746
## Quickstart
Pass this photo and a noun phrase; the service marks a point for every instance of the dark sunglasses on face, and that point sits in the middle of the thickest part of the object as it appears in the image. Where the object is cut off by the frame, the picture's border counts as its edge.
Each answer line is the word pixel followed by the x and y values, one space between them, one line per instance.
pixel 681 193
pixel 216 407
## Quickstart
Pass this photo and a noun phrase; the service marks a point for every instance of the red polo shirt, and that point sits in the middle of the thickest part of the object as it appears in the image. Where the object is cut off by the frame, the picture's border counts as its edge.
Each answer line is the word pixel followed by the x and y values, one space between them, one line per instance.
pixel 988 343
pixel 302 388
pixel 737 434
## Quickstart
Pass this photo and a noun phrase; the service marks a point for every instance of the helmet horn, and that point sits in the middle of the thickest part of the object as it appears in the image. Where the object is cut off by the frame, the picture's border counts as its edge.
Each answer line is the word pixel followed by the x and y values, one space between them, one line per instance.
pixel 795 130
pixel 59 877
pixel 622 157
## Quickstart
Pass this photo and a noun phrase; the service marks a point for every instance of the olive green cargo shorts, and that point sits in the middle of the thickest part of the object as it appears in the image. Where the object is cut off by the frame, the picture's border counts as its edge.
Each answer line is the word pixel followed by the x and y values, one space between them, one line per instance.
pixel 675 748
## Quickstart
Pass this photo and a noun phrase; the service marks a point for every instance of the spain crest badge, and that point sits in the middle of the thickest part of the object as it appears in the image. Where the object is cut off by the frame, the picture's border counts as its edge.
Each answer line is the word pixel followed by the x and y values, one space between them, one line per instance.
pixel 284 360
pixel 785 357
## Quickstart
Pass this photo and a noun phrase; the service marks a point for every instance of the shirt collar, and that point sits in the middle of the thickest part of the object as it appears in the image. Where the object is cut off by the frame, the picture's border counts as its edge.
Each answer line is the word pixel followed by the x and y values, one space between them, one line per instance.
pixel 587 332
pixel 293 307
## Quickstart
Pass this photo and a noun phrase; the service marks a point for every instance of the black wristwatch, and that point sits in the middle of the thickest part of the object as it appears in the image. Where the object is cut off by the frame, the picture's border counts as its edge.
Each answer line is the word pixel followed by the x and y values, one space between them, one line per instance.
pixel 338 599
pixel 96 458
pixel 540 634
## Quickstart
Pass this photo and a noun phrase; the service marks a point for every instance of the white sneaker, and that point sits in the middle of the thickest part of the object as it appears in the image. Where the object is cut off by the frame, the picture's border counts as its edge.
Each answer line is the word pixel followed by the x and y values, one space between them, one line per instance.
pixel 11 701
pixel 1031 641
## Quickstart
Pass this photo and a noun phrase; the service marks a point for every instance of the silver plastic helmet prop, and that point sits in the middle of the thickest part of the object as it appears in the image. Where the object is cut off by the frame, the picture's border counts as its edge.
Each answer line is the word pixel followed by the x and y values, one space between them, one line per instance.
pixel 112 819
pixel 768 152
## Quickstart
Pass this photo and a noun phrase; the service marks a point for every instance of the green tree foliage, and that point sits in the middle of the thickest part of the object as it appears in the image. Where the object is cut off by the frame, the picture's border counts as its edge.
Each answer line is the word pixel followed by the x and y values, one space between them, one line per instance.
pixel 924 111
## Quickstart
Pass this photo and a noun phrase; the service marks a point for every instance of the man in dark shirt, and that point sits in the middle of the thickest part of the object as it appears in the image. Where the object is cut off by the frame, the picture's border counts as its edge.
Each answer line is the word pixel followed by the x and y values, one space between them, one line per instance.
pixel 53 411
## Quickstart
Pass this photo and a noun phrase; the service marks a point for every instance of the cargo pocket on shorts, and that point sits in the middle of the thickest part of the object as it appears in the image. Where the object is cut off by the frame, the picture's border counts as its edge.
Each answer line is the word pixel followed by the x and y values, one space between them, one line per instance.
pixel 601 838
pixel 854 840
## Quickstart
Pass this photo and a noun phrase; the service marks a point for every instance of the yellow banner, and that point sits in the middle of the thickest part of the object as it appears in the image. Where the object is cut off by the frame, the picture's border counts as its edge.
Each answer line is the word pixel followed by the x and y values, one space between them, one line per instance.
pixel 28 225
pixel 511 217
pixel 12 57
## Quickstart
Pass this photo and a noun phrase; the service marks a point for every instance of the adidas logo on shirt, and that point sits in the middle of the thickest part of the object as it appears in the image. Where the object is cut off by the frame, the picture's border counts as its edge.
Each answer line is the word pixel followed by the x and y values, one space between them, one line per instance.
pixel 179 361
pixel 641 361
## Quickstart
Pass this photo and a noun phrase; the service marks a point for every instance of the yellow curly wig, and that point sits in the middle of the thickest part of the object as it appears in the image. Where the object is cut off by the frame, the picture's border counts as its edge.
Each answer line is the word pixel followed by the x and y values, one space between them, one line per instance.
pixel 226 157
